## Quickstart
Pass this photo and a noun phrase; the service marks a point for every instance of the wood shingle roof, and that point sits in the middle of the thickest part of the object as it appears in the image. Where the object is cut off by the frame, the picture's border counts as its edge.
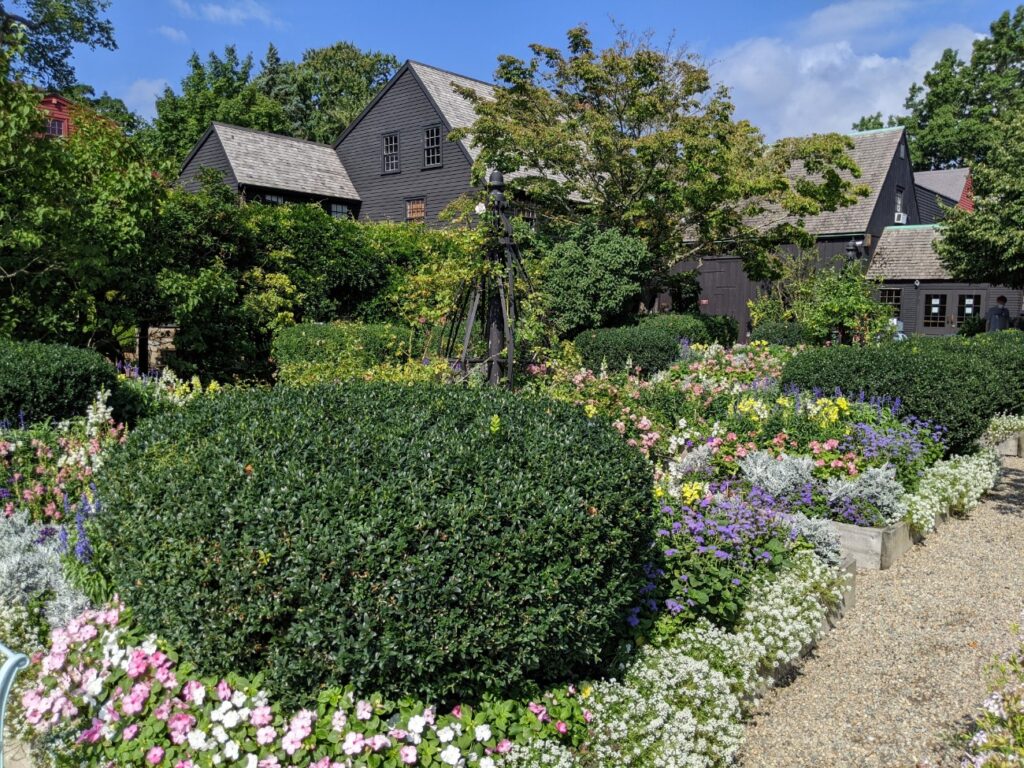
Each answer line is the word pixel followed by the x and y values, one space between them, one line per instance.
pixel 270 160
pixel 906 253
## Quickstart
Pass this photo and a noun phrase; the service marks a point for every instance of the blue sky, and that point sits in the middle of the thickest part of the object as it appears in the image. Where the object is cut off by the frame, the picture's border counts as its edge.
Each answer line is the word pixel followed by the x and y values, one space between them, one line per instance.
pixel 793 67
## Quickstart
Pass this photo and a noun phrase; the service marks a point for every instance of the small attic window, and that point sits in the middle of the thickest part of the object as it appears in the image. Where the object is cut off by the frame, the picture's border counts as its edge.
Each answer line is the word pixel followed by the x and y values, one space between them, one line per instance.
pixel 903 151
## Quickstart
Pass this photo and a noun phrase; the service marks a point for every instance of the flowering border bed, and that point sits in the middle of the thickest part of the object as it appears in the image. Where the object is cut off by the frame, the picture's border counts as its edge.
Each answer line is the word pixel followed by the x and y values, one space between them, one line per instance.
pixel 104 693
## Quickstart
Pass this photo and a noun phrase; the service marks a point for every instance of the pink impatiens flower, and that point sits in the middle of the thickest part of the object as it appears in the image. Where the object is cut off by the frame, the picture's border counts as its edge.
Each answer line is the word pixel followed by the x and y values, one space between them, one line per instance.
pixel 261 716
pixel 408 754
pixel 155 755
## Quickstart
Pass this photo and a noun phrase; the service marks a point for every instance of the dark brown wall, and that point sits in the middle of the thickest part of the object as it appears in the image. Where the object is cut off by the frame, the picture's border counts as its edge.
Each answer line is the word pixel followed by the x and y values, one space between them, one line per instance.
pixel 912 303
pixel 406 109
pixel 210 155
pixel 900 174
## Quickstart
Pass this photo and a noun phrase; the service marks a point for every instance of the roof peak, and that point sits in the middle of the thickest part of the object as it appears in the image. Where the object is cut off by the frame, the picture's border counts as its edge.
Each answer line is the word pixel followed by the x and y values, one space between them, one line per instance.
pixel 448 72
pixel 876 130
pixel 219 124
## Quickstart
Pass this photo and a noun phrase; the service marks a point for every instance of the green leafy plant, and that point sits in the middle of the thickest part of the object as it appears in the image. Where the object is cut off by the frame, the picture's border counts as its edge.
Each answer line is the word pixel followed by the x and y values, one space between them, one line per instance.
pixel 651 347
pixel 43 382
pixel 956 382
pixel 314 352
pixel 383 535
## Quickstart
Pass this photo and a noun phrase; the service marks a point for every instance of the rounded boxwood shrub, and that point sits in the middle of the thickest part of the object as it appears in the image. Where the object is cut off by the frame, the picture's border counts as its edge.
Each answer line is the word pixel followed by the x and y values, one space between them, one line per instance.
pixel 786 333
pixel 689 327
pixel 412 539
pixel 316 352
pixel 957 382
pixel 651 347
pixel 42 382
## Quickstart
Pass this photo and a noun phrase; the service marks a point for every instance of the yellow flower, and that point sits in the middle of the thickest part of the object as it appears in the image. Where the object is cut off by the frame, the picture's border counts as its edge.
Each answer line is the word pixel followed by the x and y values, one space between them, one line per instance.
pixel 591 410
pixel 659 492
pixel 587 690
pixel 843 403
pixel 691 493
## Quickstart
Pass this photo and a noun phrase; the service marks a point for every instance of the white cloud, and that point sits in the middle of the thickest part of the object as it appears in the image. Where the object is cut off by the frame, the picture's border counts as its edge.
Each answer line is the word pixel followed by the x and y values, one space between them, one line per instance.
pixel 832 70
pixel 233 12
pixel 173 34
pixel 184 8
pixel 142 94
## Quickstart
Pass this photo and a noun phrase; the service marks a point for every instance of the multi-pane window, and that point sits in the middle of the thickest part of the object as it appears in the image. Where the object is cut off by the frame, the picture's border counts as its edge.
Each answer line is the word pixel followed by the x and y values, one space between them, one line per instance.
pixel 55 127
pixel 389 153
pixel 270 199
pixel 967 305
pixel 934 310
pixel 339 210
pixel 432 147
pixel 899 199
pixel 415 209
pixel 892 298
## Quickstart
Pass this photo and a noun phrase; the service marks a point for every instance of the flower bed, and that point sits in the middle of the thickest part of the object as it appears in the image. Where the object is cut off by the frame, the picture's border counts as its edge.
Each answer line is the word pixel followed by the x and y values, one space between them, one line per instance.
pixel 998 737
pixel 741 577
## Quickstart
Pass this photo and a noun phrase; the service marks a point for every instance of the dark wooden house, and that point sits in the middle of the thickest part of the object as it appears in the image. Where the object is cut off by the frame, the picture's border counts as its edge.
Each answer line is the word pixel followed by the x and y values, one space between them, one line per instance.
pixel 949 188
pixel 397 151
pixel 847 233
pixel 272 169
pixel 921 292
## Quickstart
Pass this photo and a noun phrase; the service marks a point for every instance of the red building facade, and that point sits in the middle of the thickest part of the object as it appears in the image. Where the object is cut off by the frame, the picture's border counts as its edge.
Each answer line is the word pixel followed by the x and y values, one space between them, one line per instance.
pixel 58 114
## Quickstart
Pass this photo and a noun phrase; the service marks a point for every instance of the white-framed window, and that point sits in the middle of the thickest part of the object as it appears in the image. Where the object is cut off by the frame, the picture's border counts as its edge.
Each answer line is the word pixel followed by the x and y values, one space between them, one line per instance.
pixel 389 153
pixel 55 127
pixel 935 310
pixel 432 147
pixel 416 209
pixel 903 151
pixel 272 199
pixel 899 198
pixel 339 210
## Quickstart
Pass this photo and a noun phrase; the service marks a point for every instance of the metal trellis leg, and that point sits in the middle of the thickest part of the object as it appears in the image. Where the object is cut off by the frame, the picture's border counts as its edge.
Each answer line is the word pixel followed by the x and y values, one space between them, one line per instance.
pixel 15 662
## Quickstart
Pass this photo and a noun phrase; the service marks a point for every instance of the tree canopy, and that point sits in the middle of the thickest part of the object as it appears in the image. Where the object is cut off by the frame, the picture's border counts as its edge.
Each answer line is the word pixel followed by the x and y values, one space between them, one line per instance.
pixel 987 244
pixel 638 138
pixel 53 28
pixel 313 99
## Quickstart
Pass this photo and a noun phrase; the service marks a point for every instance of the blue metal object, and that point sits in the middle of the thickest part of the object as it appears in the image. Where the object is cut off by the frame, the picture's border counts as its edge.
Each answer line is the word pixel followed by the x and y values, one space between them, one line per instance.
pixel 15 662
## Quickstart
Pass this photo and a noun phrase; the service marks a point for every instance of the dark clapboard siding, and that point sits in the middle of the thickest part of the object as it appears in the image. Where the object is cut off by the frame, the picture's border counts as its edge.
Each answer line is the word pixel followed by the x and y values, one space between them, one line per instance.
pixel 900 175
pixel 928 202
pixel 406 109
pixel 912 304
pixel 210 155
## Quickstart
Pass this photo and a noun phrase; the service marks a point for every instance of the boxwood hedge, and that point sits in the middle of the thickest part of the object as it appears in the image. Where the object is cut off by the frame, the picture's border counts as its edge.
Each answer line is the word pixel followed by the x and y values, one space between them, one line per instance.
pixel 41 382
pixel 652 347
pixel 320 352
pixel 787 333
pixel 958 382
pixel 411 539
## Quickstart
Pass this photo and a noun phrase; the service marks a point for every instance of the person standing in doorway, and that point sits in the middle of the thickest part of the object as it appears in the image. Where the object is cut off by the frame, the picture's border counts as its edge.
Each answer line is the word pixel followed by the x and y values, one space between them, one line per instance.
pixel 998 317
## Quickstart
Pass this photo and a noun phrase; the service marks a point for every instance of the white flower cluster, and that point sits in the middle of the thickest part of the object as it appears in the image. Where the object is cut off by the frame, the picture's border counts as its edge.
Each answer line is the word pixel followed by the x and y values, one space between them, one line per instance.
pixel 538 754
pixel 681 705
pixel 953 486
pixel 1002 427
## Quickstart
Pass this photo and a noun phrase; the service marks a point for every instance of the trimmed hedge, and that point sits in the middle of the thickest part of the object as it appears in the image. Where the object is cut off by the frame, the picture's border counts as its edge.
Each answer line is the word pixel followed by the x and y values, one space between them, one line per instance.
pixel 782 332
pixel 689 327
pixel 44 382
pixel 957 382
pixel 315 352
pixel 651 347
pixel 417 540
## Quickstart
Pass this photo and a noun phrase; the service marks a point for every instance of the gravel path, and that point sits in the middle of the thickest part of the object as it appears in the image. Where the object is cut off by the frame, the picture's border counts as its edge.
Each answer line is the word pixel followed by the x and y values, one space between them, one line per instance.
pixel 905 668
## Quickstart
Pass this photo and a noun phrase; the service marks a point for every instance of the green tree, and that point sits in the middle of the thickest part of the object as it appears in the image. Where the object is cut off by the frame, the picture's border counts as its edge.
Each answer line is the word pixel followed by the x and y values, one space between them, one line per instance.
pixel 53 28
pixel 313 99
pixel 875 122
pixel 333 84
pixel 987 245
pixel 219 89
pixel 74 213
pixel 638 139
pixel 593 279
pixel 107 106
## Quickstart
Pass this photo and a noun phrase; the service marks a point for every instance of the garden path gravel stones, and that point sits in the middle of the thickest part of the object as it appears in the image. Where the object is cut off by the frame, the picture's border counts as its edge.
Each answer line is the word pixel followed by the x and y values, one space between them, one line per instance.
pixel 904 670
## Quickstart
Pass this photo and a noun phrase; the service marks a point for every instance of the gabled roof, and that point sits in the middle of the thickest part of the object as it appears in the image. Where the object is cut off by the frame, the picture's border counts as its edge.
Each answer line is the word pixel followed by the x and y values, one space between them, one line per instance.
pixel 949 183
pixel 906 253
pixel 270 160
pixel 455 109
